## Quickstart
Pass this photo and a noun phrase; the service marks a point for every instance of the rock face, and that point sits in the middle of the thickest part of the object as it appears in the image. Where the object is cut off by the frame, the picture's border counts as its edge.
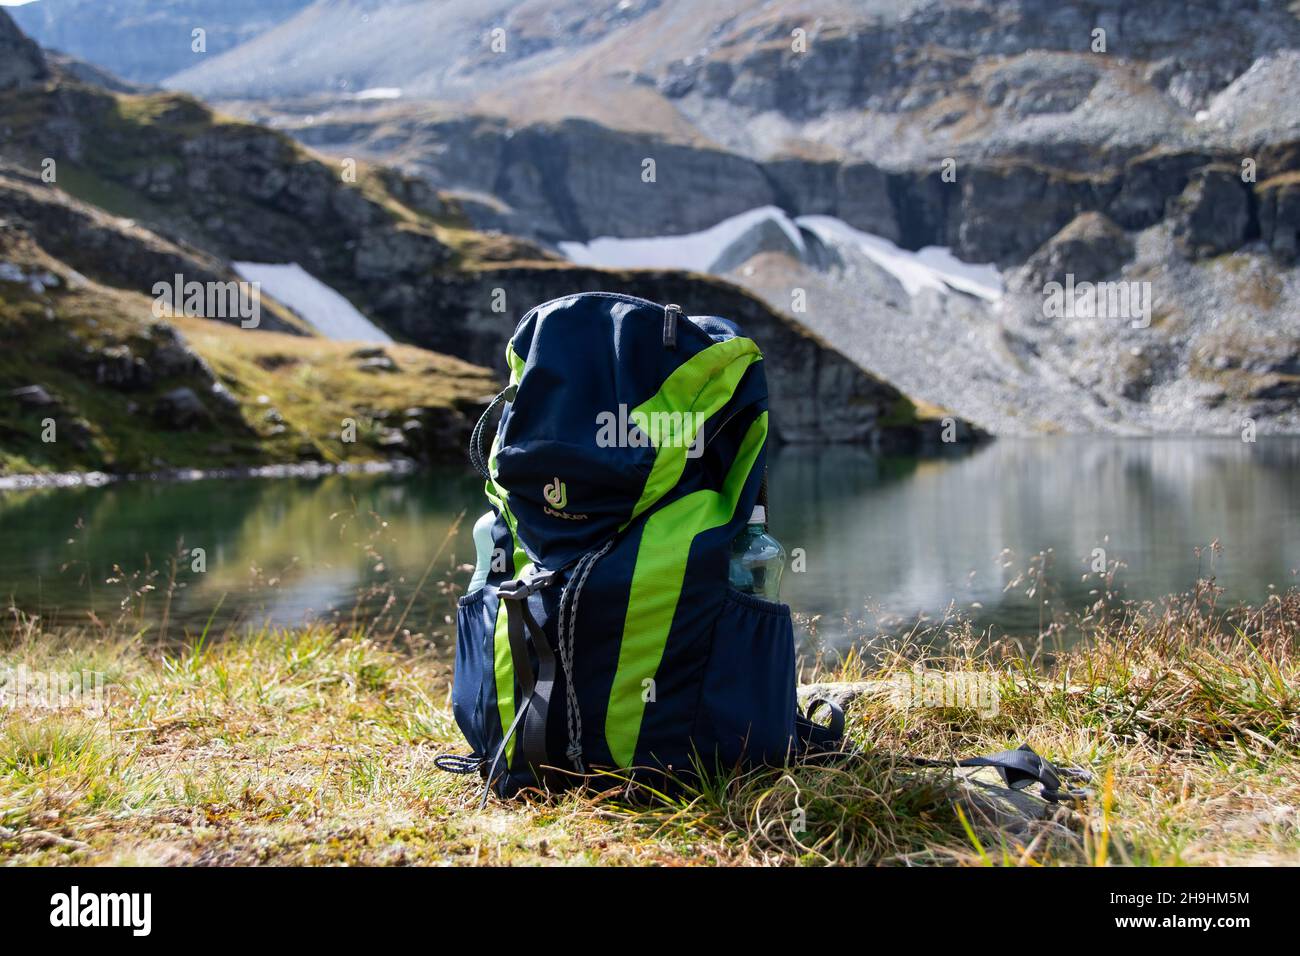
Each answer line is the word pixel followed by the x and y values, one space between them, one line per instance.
pixel 202 191
pixel 1121 164
pixel 817 106
pixel 1091 247
pixel 1279 215
pixel 33 396
pixel 765 236
pixel 1214 214
pixel 211 192
pixel 180 408
pixel 21 61
pixel 817 394
pixel 104 247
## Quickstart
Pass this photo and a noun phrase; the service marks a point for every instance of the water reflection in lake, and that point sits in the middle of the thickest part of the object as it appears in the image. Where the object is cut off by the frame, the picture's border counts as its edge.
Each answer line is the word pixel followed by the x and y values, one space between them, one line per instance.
pixel 878 539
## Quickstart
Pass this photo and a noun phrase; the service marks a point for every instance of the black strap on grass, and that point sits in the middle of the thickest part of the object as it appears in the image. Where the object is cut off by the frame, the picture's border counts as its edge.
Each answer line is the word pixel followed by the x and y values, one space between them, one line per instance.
pixel 815 738
pixel 1019 768
pixel 1022 767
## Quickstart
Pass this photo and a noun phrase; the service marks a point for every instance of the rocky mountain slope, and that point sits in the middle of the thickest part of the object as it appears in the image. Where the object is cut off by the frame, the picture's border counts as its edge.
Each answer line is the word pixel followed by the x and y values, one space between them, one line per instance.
pixel 90 380
pixel 148 186
pixel 1156 145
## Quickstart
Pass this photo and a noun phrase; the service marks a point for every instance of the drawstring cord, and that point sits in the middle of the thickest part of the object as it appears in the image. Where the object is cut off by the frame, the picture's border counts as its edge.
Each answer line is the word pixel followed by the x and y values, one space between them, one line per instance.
pixel 458 763
pixel 478 456
pixel 566 626
pixel 567 637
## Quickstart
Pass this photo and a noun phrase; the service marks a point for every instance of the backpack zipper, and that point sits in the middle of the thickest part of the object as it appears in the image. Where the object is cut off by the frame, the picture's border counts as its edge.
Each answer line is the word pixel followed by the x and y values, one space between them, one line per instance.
pixel 671 313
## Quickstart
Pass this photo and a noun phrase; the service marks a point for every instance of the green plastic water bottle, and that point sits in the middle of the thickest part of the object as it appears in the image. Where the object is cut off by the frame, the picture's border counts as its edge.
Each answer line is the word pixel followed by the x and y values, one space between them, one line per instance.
pixel 757 559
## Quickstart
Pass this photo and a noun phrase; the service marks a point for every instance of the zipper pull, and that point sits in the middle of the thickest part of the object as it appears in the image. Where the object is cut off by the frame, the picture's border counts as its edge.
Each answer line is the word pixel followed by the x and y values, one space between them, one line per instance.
pixel 671 312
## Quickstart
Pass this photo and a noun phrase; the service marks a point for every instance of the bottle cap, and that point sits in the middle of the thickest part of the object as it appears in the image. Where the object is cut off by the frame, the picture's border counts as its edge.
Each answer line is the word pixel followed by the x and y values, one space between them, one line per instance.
pixel 758 515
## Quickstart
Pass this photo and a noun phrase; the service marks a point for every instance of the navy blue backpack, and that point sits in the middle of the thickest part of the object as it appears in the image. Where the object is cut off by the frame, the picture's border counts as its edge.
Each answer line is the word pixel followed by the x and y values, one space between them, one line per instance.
pixel 629 454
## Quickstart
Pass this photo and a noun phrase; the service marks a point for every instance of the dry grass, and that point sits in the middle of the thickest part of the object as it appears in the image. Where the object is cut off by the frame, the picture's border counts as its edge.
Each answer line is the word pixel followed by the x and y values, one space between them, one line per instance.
pixel 314 746
pixel 316 384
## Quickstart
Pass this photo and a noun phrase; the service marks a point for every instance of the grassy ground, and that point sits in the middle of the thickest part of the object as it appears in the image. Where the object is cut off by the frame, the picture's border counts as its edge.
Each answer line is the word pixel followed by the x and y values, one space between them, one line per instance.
pixel 314 746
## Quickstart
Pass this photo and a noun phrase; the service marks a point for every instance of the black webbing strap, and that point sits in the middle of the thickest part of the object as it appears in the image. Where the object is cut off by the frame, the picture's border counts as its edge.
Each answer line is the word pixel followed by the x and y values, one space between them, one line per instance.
pixel 1021 767
pixel 496 760
pixel 1018 768
pixel 512 593
pixel 815 738
pixel 532 737
pixel 537 687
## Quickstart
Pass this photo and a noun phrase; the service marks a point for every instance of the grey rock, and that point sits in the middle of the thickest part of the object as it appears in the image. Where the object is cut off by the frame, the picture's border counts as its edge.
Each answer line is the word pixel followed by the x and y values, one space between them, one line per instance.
pixel 223 396
pixel 1090 248
pixel 1213 215
pixel 33 396
pixel 180 408
pixel 764 236
pixel 843 693
pixel 173 359
pixel 118 367
pixel 1279 215
pixel 994 805
pixel 377 365
pixel 1040 83
pixel 21 61
pixel 384 253
pixel 80 432
pixel 1147 184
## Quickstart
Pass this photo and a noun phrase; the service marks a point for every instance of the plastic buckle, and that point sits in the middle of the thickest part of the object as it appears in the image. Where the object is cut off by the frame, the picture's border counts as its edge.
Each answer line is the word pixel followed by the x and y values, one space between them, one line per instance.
pixel 533 580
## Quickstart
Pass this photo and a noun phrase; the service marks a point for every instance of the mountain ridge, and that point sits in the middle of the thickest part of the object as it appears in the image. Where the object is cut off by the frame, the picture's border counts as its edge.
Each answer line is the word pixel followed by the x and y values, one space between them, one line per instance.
pixel 149 185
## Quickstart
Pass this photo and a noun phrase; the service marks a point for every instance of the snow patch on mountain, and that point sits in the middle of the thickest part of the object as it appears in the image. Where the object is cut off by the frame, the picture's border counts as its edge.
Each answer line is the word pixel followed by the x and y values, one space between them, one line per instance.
pixel 695 251
pixel 325 310
pixel 933 267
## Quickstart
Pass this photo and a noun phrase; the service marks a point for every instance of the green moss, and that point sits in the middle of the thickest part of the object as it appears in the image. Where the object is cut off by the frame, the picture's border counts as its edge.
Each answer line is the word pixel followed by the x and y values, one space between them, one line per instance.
pixel 90 187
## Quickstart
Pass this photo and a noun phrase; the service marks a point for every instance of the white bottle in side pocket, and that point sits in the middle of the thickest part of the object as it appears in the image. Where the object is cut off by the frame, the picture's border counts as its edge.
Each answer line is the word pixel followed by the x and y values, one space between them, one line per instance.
pixel 483 551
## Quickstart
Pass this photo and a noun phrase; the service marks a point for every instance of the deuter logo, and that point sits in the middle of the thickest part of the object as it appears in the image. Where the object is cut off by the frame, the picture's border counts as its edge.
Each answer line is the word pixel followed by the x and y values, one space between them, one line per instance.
pixel 556 494
pixel 74 908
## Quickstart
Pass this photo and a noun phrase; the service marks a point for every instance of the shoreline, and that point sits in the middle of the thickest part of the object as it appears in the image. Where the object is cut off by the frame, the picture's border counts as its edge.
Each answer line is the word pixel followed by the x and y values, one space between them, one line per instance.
pixel 98 479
